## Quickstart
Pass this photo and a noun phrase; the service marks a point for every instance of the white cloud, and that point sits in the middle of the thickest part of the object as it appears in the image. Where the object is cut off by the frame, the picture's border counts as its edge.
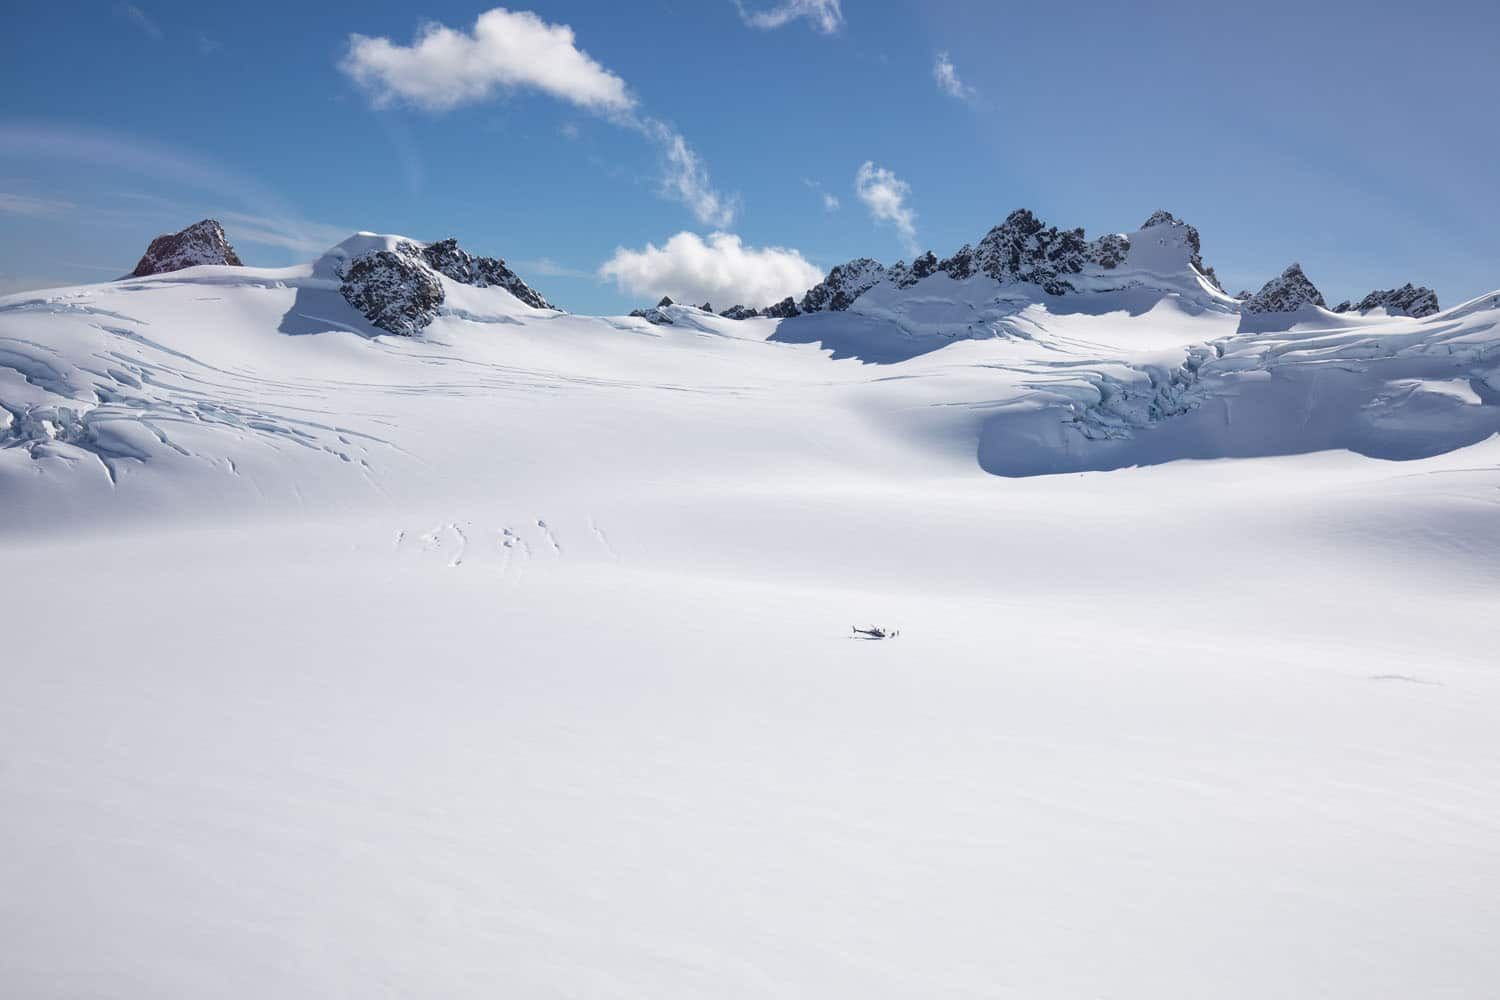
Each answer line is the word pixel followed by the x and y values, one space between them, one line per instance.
pixel 885 195
pixel 444 68
pixel 132 13
pixel 824 15
pixel 720 270
pixel 946 75
pixel 830 202
pixel 20 204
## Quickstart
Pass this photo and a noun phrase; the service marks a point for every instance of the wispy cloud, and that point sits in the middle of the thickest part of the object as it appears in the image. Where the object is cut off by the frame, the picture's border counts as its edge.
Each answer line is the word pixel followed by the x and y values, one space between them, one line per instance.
pixel 138 17
pixel 718 270
pixel 22 204
pixel 207 46
pixel 546 267
pixel 885 195
pixel 824 15
pixel 946 75
pixel 517 50
pixel 290 233
pixel 250 211
pixel 830 201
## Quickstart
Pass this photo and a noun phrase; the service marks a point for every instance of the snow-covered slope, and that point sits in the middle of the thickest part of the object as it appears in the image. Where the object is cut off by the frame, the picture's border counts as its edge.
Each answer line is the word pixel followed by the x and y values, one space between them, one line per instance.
pixel 513 658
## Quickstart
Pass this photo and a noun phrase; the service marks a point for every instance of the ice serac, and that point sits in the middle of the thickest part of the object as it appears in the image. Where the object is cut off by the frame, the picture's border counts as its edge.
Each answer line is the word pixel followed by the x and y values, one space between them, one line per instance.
pixel 201 243
pixel 397 284
pixel 1291 291
pixel 844 284
pixel 1408 300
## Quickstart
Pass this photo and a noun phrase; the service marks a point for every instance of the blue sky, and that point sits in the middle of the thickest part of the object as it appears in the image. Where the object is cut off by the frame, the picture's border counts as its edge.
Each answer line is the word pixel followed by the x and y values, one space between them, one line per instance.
pixel 1358 140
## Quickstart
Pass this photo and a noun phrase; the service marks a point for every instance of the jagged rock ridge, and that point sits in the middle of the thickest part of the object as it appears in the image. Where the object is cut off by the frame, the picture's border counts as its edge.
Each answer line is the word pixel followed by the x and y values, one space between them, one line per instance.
pixel 1291 291
pixel 1020 249
pixel 447 257
pixel 201 243
pixel 1408 300
pixel 844 284
pixel 399 290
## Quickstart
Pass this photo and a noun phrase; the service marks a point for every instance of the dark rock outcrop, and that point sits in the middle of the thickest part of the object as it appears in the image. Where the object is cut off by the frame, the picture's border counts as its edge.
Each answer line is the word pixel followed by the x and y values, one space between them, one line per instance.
pixel 785 309
pixel 655 315
pixel 399 290
pixel 844 284
pixel 1023 248
pixel 201 243
pixel 1109 251
pixel 448 258
pixel 739 312
pixel 396 290
pixel 924 266
pixel 1408 300
pixel 960 265
pixel 1287 293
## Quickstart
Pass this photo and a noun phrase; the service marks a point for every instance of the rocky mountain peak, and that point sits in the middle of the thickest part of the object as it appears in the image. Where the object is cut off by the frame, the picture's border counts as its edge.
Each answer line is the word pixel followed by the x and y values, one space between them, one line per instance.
pixel 1023 248
pixel 201 243
pixel 1287 293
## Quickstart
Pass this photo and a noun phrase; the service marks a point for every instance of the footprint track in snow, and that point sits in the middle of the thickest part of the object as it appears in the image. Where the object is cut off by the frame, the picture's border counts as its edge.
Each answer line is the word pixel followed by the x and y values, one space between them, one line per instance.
pixel 461 543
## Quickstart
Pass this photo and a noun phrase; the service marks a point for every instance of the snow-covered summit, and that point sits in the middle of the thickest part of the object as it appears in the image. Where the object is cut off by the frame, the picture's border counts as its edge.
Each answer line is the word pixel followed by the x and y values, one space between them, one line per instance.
pixel 201 243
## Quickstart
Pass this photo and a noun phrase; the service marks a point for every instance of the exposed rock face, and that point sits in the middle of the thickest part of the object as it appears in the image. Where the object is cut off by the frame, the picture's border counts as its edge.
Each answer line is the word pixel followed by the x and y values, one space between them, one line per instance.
pixel 399 290
pixel 201 243
pixel 655 315
pixel 447 257
pixel 1109 251
pixel 739 312
pixel 1287 293
pixel 844 284
pixel 1023 248
pixel 785 309
pixel 922 267
pixel 395 289
pixel 1408 300
pixel 1161 217
pixel 960 265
